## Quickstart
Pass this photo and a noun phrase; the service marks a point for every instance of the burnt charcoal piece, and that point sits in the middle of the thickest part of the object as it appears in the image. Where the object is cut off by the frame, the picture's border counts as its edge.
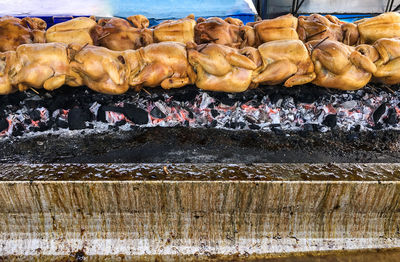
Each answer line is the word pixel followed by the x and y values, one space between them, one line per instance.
pixel 27 121
pixel 254 127
pixel 35 115
pixel 16 98
pixel 58 102
pixel 3 124
pixel 214 113
pixel 44 126
pixel 121 123
pixel 101 114
pixel 157 113
pixel 61 123
pixel 330 121
pixel 276 128
pixel 379 112
pixel 18 129
pixel 223 98
pixel 136 115
pixel 34 102
pixel 377 126
pixel 77 118
pixel 186 94
pixel 214 123
pixel 392 117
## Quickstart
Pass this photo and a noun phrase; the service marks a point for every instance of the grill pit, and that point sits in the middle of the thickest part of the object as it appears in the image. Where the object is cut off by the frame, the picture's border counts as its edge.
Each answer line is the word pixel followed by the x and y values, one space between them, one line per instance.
pixel 277 109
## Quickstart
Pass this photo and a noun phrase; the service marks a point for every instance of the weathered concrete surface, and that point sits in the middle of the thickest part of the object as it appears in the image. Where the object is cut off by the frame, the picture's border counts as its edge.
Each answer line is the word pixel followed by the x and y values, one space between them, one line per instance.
pixel 201 172
pixel 168 219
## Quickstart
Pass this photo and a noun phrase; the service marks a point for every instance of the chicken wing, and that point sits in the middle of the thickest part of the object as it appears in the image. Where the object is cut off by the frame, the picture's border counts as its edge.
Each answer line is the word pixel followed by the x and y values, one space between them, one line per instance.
pixel 218 31
pixel 101 69
pixel 42 65
pixel 284 61
pixel 181 30
pixel 340 66
pixel 386 25
pixel 77 30
pixel 15 32
pixel 222 68
pixel 157 64
pixel 118 34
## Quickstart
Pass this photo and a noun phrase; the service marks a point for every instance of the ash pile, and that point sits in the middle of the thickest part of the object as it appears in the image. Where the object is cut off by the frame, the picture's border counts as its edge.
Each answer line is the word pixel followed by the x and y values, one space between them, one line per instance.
pixel 277 109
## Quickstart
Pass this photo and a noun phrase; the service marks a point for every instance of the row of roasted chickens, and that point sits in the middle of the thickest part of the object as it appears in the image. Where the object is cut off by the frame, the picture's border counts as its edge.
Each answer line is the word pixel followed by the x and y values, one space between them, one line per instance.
pixel 216 67
pixel 120 34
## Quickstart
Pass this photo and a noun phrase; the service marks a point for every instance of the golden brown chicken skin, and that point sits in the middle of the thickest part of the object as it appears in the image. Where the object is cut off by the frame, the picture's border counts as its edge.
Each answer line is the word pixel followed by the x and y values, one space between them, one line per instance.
pixel 77 30
pixel 316 26
pixel 386 25
pixel 218 31
pixel 280 28
pixel 157 64
pixel 340 66
pixel 42 66
pixel 181 30
pixel 7 59
pixel 385 53
pixel 101 69
pixel 222 68
pixel 118 34
pixel 285 61
pixel 15 32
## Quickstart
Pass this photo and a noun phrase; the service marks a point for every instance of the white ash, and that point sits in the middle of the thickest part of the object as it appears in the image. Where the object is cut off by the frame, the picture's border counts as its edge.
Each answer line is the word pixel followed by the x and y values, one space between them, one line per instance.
pixel 352 110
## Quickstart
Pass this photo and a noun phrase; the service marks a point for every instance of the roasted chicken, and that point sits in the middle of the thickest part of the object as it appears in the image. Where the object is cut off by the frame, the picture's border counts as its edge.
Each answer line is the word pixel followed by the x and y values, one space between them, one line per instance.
pixel 164 64
pixel 15 32
pixel 280 28
pixel 315 27
pixel 77 30
pixel 218 31
pixel 42 65
pixel 340 66
pixel 222 68
pixel 118 34
pixel 386 25
pixel 7 60
pixel 181 30
pixel 385 53
pixel 101 69
pixel 285 61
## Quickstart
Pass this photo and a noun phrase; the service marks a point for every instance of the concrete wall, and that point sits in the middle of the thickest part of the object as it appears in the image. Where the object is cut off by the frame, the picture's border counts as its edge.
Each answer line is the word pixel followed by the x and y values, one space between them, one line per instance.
pixel 197 219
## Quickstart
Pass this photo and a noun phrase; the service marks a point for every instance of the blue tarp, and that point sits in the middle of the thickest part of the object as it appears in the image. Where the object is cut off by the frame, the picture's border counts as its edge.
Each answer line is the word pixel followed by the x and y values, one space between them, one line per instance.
pixel 161 10
pixel 155 10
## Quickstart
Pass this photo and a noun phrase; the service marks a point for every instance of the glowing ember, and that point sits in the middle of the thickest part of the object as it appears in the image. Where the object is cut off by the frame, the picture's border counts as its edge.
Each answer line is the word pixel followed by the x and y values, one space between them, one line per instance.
pixel 362 109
